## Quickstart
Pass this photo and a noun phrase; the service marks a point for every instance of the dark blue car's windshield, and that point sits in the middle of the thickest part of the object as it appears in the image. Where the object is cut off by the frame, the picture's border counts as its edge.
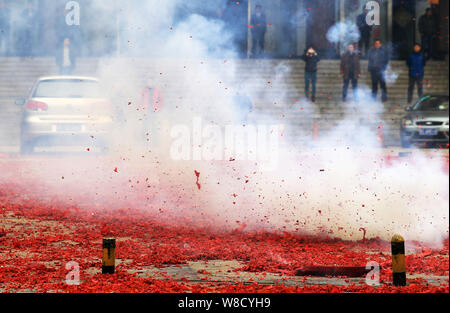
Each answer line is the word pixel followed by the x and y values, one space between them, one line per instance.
pixel 432 103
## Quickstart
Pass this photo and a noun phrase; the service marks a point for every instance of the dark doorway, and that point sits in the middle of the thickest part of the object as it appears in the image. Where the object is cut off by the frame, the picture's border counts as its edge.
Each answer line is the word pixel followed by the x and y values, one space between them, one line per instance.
pixel 288 22
pixel 403 28
pixel 321 17
pixel 440 11
pixel 235 15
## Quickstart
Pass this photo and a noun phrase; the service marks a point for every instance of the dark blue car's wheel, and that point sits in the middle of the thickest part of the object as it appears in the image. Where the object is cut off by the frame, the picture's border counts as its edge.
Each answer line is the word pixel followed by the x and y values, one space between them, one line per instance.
pixel 406 143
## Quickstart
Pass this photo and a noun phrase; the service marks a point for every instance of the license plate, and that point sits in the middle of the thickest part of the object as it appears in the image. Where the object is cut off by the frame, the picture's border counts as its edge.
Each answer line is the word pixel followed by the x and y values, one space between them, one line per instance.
pixel 428 132
pixel 69 127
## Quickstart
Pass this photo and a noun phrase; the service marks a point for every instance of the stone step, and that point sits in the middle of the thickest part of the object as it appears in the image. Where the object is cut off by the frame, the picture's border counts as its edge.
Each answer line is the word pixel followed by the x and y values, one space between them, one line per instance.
pixel 161 61
pixel 254 88
pixel 17 77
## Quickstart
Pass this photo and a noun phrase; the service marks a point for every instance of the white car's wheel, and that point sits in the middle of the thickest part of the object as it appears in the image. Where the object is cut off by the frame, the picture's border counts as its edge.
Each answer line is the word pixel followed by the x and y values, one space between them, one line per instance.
pixel 26 147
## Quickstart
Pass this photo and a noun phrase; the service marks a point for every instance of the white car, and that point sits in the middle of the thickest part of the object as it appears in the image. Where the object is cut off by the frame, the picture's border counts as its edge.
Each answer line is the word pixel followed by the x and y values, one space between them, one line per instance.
pixel 65 110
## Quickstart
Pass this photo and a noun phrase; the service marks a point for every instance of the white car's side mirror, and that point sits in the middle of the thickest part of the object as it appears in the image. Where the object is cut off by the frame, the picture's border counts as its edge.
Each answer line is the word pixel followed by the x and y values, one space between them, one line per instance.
pixel 20 102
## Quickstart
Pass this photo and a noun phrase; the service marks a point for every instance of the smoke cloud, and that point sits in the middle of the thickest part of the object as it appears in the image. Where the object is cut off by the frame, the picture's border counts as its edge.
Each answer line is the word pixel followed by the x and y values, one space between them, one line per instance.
pixel 334 185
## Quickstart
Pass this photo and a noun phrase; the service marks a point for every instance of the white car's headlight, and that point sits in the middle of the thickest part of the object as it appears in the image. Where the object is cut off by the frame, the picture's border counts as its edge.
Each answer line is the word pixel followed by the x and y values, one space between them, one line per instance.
pixel 446 123
pixel 407 122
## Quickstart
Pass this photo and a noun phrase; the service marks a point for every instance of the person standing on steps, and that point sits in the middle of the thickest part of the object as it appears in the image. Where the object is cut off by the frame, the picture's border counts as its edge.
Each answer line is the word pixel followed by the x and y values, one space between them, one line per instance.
pixel 350 71
pixel 28 30
pixel 365 31
pixel 151 102
pixel 416 64
pixel 242 106
pixel 258 30
pixel 378 63
pixel 5 27
pixel 65 58
pixel 428 30
pixel 311 59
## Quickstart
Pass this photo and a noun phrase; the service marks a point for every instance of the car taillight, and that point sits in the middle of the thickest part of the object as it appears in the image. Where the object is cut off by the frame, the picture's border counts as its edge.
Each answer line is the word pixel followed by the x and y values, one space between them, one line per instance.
pixel 36 106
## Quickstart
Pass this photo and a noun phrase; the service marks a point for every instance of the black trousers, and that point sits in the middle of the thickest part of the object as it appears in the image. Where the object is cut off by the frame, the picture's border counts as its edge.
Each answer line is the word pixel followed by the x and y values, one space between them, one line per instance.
pixel 26 43
pixel 364 43
pixel 412 82
pixel 427 45
pixel 378 79
pixel 257 44
pixel 4 42
pixel 354 82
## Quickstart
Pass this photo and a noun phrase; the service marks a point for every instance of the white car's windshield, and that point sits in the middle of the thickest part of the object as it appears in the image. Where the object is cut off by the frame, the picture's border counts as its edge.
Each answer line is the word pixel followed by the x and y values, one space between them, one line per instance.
pixel 432 103
pixel 68 88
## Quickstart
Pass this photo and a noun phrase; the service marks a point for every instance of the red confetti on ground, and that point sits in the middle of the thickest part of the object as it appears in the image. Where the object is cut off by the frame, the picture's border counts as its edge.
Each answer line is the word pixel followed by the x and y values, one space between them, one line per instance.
pixel 40 235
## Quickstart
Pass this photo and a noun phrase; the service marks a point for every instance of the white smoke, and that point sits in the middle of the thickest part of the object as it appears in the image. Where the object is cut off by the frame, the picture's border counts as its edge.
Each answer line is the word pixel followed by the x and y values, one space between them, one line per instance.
pixel 391 76
pixel 343 33
pixel 337 188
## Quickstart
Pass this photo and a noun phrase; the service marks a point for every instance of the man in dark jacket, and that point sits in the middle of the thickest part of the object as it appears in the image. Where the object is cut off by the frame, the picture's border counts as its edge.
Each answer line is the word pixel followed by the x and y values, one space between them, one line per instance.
pixel 428 30
pixel 65 58
pixel 151 104
pixel 5 26
pixel 365 31
pixel 68 31
pixel 378 63
pixel 311 59
pixel 242 106
pixel 350 71
pixel 258 28
pixel 30 23
pixel 235 16
pixel 416 64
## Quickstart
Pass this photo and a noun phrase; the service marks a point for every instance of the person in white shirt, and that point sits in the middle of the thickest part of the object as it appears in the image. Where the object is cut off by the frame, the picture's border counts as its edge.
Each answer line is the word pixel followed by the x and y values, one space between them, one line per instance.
pixel 65 58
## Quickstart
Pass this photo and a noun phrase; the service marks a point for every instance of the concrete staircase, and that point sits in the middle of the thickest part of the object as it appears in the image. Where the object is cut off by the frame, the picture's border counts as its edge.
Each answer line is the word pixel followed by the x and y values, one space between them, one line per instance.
pixel 277 87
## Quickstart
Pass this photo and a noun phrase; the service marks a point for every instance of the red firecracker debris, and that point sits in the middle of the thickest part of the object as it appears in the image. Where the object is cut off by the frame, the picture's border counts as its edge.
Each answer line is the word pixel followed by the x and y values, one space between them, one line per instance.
pixel 197 174
pixel 42 231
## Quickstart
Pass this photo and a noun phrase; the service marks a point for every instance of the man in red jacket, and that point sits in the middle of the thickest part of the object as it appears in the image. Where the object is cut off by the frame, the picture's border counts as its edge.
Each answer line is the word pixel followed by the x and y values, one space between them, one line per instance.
pixel 151 97
pixel 151 103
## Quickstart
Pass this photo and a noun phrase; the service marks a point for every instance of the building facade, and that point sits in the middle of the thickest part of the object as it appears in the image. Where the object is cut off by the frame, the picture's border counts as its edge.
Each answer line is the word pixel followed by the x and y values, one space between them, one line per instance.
pixel 113 27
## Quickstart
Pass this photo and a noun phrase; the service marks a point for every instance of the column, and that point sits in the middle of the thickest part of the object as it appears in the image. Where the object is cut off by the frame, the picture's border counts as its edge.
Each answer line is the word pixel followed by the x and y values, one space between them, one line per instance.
pixel 390 12
pixel 301 27
pixel 249 35
pixel 341 17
